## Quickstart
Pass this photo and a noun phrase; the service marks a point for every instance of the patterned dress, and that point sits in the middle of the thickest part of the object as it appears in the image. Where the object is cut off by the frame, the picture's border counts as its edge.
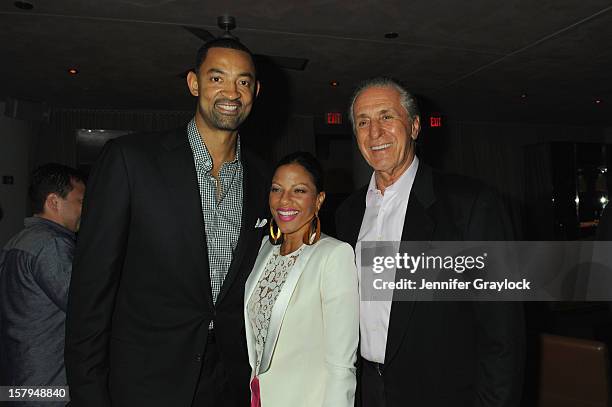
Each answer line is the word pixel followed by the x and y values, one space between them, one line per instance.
pixel 265 294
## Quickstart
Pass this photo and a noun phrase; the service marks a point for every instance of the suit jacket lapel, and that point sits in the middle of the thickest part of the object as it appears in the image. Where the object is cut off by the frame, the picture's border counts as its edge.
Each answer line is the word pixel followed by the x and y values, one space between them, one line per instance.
pixel 179 174
pixel 418 226
pixel 263 257
pixel 265 252
pixel 253 196
pixel 280 305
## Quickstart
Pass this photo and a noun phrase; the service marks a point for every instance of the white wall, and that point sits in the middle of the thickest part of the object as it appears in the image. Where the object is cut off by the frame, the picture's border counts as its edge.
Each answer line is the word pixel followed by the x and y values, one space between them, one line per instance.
pixel 15 137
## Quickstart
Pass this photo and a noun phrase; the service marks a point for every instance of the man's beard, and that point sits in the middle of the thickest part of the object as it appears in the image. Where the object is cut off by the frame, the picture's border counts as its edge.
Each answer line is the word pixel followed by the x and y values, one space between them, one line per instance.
pixel 221 121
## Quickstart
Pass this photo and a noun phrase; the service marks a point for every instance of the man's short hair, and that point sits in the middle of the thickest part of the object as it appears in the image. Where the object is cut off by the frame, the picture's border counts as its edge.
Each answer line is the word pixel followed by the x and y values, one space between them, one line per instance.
pixel 229 43
pixel 48 179
pixel 407 100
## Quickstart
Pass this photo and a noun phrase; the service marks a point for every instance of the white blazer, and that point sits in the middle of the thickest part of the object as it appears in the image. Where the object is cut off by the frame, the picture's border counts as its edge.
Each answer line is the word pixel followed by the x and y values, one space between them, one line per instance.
pixel 309 356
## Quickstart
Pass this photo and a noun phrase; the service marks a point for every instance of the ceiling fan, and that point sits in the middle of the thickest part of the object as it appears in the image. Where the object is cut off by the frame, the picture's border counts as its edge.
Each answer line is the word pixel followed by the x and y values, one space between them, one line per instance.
pixel 227 24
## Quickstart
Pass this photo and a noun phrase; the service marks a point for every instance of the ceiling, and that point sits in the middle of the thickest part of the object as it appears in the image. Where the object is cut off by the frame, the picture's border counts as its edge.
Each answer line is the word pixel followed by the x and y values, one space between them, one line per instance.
pixel 513 60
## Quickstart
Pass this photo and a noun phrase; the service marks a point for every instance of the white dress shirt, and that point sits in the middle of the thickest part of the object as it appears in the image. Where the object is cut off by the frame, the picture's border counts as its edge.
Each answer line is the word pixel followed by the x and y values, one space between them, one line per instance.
pixel 383 220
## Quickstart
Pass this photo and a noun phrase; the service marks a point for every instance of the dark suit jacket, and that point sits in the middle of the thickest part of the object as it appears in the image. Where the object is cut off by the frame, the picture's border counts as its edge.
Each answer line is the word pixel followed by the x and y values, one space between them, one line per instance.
pixel 448 353
pixel 140 301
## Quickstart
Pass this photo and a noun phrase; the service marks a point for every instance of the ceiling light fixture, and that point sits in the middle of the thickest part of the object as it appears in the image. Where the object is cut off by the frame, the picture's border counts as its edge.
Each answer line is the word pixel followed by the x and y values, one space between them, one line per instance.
pixel 334 83
pixel 24 5
pixel 524 96
pixel 73 71
pixel 391 35
pixel 598 101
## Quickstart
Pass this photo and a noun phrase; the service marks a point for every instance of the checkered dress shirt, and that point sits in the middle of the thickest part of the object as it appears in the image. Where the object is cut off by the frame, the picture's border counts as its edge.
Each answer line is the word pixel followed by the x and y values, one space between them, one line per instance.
pixel 223 213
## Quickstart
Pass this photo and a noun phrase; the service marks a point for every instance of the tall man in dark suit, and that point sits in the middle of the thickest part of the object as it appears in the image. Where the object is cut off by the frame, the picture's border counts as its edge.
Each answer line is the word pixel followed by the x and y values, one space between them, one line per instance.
pixel 425 353
pixel 168 239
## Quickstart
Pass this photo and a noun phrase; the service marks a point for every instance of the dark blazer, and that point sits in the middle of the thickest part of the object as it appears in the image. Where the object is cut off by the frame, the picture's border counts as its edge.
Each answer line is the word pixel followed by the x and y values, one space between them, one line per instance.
pixel 448 353
pixel 140 301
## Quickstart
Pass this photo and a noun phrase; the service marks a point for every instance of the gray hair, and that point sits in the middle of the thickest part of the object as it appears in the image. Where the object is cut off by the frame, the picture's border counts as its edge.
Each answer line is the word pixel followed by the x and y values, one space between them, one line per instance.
pixel 407 100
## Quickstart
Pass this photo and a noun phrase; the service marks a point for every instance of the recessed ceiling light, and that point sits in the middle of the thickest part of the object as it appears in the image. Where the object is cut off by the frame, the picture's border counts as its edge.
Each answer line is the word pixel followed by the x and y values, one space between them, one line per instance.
pixel 598 101
pixel 391 35
pixel 24 5
pixel 334 83
pixel 73 71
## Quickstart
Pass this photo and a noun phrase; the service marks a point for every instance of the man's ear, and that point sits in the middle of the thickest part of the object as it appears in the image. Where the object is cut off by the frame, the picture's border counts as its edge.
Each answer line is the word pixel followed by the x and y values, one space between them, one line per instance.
pixel 416 128
pixel 192 83
pixel 51 203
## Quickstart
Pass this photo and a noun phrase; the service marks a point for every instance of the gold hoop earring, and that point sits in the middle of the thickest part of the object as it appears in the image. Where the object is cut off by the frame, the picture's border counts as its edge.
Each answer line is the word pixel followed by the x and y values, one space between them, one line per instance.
pixel 274 236
pixel 311 237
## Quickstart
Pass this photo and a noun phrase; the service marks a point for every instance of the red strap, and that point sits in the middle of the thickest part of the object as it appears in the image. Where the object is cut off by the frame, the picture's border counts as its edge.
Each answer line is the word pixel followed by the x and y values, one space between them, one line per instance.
pixel 255 397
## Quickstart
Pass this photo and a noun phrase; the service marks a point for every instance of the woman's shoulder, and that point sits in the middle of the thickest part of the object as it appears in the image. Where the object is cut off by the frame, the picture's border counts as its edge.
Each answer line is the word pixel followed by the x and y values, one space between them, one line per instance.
pixel 336 259
pixel 331 244
pixel 332 241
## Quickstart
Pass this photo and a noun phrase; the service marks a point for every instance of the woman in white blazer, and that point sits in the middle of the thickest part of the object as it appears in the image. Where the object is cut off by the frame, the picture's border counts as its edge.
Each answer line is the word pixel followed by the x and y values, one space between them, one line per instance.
pixel 301 300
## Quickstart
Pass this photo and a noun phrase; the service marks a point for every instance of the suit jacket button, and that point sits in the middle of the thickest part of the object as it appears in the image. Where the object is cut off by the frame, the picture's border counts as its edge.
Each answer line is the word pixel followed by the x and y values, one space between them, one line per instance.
pixel 198 358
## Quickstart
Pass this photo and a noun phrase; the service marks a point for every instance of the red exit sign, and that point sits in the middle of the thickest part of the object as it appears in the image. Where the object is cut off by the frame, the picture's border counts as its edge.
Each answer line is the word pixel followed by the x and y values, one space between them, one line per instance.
pixel 334 118
pixel 435 121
